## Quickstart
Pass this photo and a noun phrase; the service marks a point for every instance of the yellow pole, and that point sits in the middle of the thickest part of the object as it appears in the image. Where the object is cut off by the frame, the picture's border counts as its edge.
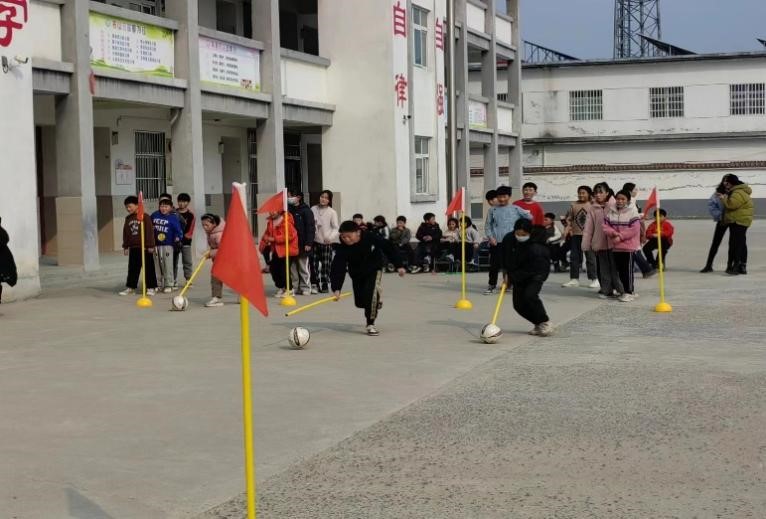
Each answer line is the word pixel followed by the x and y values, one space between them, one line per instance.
pixel 662 306
pixel 247 405
pixel 464 303
pixel 143 301
pixel 288 300
pixel 499 303
pixel 194 274
pixel 315 303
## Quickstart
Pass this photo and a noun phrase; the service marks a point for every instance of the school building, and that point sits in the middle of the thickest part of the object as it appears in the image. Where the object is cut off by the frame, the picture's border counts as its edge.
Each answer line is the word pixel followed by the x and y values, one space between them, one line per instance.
pixel 103 99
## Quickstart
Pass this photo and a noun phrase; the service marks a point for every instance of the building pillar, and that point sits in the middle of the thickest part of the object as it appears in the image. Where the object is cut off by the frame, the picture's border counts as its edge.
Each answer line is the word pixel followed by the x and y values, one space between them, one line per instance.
pixel 188 172
pixel 463 149
pixel 515 163
pixel 270 133
pixel 76 213
pixel 489 90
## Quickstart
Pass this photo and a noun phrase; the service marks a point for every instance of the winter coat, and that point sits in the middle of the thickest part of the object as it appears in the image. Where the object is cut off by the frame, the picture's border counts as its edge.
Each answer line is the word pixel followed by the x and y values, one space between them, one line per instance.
pixel 738 206
pixel 168 229
pixel 8 273
pixel 429 230
pixel 527 261
pixel 304 224
pixel 400 238
pixel 501 219
pixel 623 229
pixel 715 207
pixel 326 223
pixel 131 232
pixel 593 237
pixel 667 231
pixel 278 233
pixel 365 258
pixel 214 238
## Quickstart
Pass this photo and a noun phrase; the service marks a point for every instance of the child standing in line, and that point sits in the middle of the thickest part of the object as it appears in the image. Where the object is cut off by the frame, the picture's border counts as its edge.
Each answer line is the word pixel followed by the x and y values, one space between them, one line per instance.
pixel 326 236
pixel 131 246
pixel 528 192
pixel 500 221
pixel 429 235
pixel 527 260
pixel 594 239
pixel 622 226
pixel 274 238
pixel 401 236
pixel 187 222
pixel 214 226
pixel 167 235
pixel 494 264
pixel 553 240
pixel 576 218
pixel 364 255
pixel 666 238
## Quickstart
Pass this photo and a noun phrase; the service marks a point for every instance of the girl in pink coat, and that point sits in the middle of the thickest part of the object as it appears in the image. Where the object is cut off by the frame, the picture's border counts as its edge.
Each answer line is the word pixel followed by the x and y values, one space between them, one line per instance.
pixel 595 239
pixel 622 226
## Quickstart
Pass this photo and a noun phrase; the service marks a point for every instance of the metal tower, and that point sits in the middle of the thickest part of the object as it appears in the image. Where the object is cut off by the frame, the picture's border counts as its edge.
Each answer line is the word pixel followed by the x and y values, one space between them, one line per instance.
pixel 632 20
pixel 534 53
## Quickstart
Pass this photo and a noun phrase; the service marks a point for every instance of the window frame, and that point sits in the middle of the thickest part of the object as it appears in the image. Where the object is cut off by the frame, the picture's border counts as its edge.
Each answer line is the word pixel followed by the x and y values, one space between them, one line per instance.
pixel 664 102
pixel 586 105
pixel 422 158
pixel 420 35
pixel 747 99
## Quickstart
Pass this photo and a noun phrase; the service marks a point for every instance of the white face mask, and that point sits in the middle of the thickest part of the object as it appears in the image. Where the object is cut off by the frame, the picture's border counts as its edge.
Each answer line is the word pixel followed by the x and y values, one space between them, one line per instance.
pixel 522 239
pixel 293 200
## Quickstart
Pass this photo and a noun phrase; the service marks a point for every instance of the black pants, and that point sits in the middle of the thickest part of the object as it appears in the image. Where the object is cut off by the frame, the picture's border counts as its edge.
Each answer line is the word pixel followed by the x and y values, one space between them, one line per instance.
pixel 367 294
pixel 649 249
pixel 527 302
pixel 624 262
pixel 134 269
pixel 737 245
pixel 495 262
pixel 426 249
pixel 277 271
pixel 405 251
pixel 575 259
pixel 718 234
pixel 644 262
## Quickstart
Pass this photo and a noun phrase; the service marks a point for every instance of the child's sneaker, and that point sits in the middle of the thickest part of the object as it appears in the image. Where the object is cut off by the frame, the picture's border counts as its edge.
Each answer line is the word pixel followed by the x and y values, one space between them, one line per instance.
pixel 545 329
pixel 372 331
pixel 216 301
pixel 304 292
pixel 324 289
pixel 414 270
pixel 127 292
pixel 151 292
pixel 314 289
pixel 490 290
pixel 280 293
pixel 167 290
pixel 594 284
pixel 571 283
pixel 535 330
pixel 625 298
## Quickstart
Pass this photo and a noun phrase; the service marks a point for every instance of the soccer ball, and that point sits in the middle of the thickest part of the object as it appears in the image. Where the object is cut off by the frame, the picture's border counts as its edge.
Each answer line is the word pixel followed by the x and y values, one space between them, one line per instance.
pixel 180 303
pixel 491 333
pixel 299 337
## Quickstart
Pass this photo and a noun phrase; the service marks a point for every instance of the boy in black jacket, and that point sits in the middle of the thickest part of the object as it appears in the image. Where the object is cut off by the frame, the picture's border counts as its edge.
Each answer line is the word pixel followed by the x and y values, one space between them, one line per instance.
pixel 429 235
pixel 527 259
pixel 363 254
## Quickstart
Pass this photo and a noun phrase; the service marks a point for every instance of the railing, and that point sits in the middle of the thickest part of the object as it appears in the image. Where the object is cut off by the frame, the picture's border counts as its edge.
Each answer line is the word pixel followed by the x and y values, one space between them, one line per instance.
pixel 503 30
pixel 45 24
pixel 304 76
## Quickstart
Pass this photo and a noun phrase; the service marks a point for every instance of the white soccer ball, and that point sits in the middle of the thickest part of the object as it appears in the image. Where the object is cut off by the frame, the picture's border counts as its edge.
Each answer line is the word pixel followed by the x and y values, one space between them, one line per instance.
pixel 180 303
pixel 299 337
pixel 491 333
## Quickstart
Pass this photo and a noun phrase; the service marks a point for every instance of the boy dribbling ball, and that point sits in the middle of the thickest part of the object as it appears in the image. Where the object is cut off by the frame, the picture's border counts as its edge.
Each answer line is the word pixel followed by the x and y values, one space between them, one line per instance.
pixel 363 255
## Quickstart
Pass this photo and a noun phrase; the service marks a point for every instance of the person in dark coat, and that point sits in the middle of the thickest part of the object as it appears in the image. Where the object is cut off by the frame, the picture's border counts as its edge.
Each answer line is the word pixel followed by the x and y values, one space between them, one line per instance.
pixel 527 259
pixel 8 273
pixel 300 272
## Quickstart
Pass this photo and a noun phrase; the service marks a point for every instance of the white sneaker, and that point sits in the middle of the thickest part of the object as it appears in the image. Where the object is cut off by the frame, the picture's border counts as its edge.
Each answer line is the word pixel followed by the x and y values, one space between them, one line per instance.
pixel 280 293
pixel 167 290
pixel 535 330
pixel 151 292
pixel 314 289
pixel 304 292
pixel 595 284
pixel 216 301
pixel 571 283
pixel 625 298
pixel 372 331
pixel 127 292
pixel 545 329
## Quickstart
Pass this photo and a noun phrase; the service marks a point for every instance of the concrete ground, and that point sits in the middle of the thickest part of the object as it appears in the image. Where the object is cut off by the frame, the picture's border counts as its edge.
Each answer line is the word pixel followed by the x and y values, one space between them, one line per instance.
pixel 114 412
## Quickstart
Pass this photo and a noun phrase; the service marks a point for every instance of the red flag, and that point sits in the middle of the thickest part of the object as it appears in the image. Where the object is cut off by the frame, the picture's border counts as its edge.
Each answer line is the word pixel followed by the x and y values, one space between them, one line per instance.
pixel 458 202
pixel 236 263
pixel 140 210
pixel 275 204
pixel 653 201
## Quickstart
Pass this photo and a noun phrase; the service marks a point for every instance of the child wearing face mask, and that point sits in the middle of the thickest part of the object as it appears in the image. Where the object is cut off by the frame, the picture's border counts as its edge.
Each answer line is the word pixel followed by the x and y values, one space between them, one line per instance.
pixel 527 259
pixel 622 226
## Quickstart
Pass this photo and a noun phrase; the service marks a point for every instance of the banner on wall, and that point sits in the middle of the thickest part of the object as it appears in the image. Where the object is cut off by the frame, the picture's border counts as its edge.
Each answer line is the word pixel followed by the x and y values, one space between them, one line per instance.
pixel 228 64
pixel 477 114
pixel 128 46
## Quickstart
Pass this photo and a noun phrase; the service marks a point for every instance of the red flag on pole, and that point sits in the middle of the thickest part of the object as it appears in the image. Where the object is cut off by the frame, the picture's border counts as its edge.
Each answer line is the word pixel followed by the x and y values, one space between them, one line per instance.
pixel 458 202
pixel 653 201
pixel 275 204
pixel 236 263
pixel 140 210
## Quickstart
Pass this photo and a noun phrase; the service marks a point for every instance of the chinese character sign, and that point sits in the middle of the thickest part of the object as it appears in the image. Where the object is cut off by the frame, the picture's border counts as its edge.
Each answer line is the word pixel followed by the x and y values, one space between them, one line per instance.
pixel 400 87
pixel 13 15
pixel 439 34
pixel 129 46
pixel 400 20
pixel 440 99
pixel 229 64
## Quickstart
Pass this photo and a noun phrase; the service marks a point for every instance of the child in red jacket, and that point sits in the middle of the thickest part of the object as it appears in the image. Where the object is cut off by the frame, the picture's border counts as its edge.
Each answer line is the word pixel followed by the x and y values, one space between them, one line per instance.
pixel 666 237
pixel 274 239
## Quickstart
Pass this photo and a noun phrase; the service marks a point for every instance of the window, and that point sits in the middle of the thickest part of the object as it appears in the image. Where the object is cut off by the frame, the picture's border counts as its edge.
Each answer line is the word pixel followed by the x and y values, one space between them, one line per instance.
pixel 666 102
pixel 747 99
pixel 586 105
pixel 226 16
pixel 420 27
pixel 150 164
pixel 502 97
pixel 421 166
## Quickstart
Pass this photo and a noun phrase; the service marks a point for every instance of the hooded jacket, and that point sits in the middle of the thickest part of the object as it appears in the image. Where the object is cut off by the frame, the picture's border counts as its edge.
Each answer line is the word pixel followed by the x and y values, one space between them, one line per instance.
pixel 131 232
pixel 623 228
pixel 303 219
pixel 529 260
pixel 738 206
pixel 214 238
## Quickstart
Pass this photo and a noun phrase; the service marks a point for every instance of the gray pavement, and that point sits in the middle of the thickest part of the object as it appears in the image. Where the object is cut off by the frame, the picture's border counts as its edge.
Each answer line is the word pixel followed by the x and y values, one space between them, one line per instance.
pixel 110 411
